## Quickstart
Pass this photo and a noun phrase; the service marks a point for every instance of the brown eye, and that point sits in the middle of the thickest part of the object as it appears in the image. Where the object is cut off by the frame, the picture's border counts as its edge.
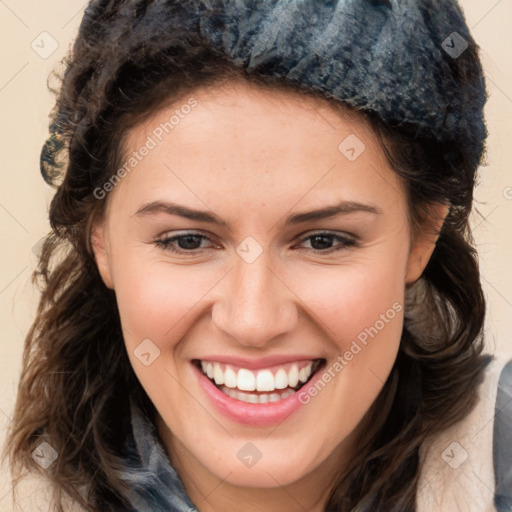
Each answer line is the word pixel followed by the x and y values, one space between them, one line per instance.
pixel 187 242
pixel 323 242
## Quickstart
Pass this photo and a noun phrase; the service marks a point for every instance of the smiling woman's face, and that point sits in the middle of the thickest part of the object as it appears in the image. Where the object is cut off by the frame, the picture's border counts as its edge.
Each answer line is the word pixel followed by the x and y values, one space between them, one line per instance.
pixel 252 288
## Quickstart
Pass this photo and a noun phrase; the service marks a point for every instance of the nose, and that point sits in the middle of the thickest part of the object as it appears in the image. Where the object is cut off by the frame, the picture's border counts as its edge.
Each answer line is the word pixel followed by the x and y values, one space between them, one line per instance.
pixel 255 305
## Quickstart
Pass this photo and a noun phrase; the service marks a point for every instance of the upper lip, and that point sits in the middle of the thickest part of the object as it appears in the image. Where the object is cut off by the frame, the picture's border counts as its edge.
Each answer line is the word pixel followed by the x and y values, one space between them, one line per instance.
pixel 255 364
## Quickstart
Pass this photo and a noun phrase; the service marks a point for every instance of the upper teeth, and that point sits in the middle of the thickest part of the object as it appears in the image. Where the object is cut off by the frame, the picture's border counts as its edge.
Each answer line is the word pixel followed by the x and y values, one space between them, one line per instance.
pixel 261 380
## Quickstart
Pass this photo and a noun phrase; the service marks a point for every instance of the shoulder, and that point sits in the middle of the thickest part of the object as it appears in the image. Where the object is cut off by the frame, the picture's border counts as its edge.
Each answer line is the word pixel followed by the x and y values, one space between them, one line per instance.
pixel 458 464
pixel 502 441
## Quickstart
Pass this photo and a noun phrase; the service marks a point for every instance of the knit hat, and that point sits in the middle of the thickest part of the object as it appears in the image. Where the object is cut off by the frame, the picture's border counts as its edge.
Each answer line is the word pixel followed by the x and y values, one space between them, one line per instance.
pixel 411 62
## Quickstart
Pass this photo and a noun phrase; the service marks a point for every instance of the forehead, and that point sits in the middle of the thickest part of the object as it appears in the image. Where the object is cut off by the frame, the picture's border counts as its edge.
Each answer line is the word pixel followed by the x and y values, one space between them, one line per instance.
pixel 245 105
pixel 270 142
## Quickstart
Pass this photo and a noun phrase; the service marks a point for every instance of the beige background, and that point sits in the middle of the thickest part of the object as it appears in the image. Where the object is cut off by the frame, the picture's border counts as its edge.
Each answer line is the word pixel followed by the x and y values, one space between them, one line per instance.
pixel 24 197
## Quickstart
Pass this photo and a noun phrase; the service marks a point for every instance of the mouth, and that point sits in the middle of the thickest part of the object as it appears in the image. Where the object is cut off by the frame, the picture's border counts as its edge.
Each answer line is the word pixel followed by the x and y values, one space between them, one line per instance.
pixel 263 385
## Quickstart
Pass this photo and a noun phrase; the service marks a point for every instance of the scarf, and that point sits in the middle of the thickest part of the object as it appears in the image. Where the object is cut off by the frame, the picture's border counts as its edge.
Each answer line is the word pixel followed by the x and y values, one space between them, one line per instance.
pixel 155 485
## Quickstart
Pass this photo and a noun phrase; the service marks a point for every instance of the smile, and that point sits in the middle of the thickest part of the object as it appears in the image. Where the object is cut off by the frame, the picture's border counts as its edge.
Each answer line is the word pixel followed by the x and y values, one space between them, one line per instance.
pixel 261 386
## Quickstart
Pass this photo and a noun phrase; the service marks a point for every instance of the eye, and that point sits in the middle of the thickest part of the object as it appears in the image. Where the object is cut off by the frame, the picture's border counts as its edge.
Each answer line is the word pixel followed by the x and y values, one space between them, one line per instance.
pixel 191 242
pixel 322 242
pixel 187 242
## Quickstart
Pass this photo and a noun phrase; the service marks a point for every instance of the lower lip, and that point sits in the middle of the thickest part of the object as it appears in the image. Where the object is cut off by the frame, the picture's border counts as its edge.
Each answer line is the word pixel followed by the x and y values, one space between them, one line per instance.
pixel 258 415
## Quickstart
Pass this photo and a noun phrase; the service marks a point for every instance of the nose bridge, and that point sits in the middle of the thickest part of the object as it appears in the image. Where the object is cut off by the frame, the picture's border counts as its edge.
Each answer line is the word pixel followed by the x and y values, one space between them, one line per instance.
pixel 256 306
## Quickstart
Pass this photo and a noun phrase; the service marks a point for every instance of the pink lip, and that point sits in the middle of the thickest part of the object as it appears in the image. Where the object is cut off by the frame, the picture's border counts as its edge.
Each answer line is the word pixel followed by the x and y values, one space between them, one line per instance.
pixel 255 364
pixel 257 415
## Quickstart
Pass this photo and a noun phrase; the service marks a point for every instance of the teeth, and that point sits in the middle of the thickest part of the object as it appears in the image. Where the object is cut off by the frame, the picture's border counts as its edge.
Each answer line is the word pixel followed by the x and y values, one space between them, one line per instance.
pixel 303 375
pixel 265 381
pixel 258 380
pixel 209 371
pixel 263 398
pixel 252 398
pixel 230 378
pixel 281 379
pixel 293 376
pixel 246 380
pixel 218 374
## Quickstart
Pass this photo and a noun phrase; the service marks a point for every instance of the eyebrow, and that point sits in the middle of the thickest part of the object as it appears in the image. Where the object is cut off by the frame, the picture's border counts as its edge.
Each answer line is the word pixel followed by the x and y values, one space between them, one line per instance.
pixel 170 208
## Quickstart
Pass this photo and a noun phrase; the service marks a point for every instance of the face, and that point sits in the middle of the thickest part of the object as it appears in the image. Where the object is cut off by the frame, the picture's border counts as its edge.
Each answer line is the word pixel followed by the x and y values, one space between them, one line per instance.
pixel 220 266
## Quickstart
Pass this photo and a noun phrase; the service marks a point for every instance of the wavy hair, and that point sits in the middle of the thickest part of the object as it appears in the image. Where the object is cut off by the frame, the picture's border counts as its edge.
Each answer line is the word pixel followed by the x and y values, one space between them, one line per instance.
pixel 126 63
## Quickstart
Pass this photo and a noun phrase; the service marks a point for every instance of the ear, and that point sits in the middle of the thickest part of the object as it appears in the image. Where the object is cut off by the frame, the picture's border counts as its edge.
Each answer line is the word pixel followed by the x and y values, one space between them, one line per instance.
pixel 425 241
pixel 101 250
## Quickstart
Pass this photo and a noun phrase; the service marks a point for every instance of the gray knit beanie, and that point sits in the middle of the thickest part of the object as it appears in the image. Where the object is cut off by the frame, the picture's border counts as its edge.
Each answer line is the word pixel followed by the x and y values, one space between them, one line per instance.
pixel 412 63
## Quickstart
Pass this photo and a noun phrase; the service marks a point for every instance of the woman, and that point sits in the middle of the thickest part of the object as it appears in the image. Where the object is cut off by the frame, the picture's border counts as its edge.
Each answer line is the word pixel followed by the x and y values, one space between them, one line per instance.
pixel 269 297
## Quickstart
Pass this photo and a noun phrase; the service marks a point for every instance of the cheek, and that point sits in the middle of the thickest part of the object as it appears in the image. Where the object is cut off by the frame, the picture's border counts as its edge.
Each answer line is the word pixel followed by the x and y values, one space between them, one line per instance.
pixel 346 300
pixel 360 308
pixel 155 298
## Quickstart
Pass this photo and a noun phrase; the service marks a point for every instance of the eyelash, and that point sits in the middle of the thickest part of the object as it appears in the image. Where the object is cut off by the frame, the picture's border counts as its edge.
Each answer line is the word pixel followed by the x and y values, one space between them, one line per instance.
pixel 345 243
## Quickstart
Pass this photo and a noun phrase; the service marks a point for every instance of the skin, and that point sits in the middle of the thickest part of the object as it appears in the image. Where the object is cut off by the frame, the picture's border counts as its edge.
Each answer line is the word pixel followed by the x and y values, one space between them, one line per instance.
pixel 253 157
